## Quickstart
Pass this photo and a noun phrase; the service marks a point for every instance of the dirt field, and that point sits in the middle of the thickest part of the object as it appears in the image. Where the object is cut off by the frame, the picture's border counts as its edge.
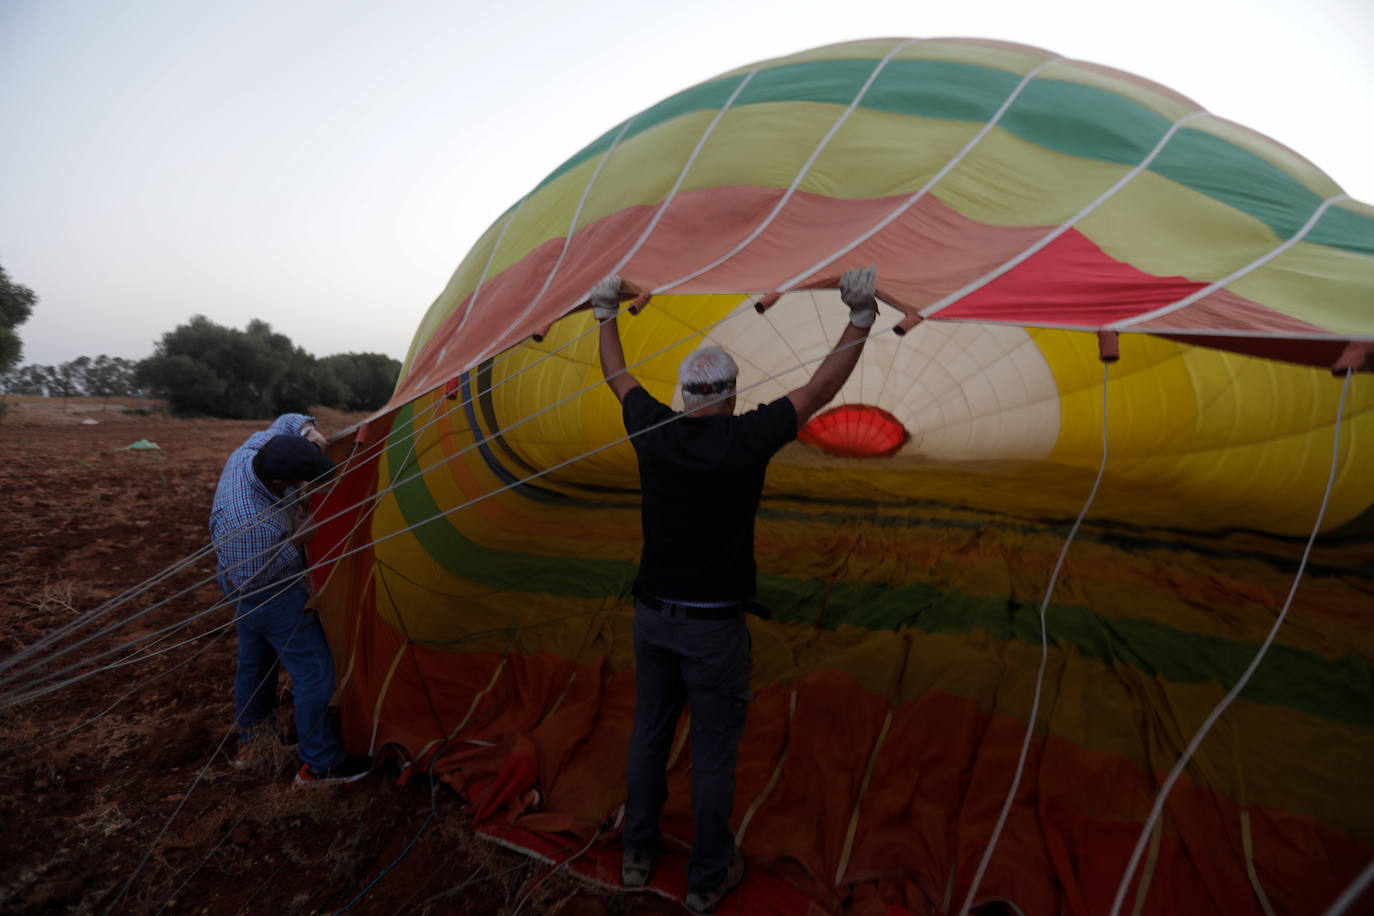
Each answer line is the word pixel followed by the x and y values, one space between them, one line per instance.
pixel 116 793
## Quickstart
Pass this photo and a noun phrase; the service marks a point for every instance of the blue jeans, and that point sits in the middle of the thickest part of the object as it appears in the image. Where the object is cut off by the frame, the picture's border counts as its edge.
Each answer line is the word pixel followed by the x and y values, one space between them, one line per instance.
pixel 704 663
pixel 274 626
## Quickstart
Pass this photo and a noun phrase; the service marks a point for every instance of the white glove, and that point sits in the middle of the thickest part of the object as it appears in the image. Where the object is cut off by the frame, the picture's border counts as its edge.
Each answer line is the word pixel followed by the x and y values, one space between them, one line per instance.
pixel 605 298
pixel 857 289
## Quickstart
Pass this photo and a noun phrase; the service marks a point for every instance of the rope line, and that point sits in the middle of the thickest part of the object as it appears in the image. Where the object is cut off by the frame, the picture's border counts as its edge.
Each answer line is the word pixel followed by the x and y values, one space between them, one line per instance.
pixel 353 458
pixel 682 174
pixel 1352 893
pixel 111 604
pixel 9 699
pixel 47 739
pixel 796 181
pixel 497 343
pixel 1040 675
pixel 271 675
pixel 1068 224
pixel 1235 691
pixel 929 185
pixel 377 448
pixel 1234 275
pixel 557 867
pixel 372 498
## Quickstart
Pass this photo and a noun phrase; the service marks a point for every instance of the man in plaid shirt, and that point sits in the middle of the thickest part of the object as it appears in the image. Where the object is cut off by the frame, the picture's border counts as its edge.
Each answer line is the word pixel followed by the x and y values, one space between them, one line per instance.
pixel 259 523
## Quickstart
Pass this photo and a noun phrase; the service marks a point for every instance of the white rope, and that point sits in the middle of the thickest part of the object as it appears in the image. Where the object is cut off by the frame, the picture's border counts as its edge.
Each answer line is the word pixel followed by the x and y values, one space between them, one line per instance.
pixel 495 246
pixel 926 188
pixel 270 676
pixel 143 655
pixel 1352 893
pixel 354 458
pixel 280 589
pixel 682 175
pixel 119 600
pixel 129 594
pixel 499 342
pixel 796 182
pixel 1068 224
pixel 15 698
pixel 1044 660
pixel 1231 277
pixel 1235 691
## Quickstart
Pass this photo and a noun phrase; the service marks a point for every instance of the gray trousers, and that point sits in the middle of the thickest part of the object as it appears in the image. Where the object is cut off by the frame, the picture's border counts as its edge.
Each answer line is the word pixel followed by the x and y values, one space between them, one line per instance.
pixel 704 663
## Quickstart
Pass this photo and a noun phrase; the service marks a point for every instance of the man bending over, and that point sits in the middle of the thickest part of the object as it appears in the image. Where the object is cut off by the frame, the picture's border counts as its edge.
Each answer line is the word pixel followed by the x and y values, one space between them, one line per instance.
pixel 259 525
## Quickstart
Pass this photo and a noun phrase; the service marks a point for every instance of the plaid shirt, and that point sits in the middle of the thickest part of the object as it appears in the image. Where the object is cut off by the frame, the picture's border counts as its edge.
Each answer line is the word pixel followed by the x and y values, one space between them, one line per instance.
pixel 250 527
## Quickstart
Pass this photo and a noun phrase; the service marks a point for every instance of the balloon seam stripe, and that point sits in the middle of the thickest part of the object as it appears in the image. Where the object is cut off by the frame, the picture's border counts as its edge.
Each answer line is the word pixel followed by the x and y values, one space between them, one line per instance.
pixel 777 770
pixel 858 801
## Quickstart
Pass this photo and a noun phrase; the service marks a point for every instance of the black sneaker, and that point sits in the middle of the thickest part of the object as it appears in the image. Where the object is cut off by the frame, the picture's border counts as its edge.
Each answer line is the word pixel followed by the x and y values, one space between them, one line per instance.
pixel 700 903
pixel 350 769
pixel 635 869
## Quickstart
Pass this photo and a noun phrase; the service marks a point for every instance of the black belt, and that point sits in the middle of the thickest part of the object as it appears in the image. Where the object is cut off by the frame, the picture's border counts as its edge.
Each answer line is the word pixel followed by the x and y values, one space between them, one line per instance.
pixel 690 611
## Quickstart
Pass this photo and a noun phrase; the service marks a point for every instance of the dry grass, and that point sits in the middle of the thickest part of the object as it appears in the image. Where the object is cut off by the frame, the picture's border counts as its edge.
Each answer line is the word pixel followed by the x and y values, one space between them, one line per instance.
pixel 282 805
pixel 59 598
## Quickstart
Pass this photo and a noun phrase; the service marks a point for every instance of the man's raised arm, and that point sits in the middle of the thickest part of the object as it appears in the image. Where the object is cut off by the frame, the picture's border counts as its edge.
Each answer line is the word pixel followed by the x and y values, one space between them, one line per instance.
pixel 605 299
pixel 858 289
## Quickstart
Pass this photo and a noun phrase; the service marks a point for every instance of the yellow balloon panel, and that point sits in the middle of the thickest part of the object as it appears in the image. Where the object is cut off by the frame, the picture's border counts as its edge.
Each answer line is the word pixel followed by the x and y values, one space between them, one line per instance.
pixel 1209 439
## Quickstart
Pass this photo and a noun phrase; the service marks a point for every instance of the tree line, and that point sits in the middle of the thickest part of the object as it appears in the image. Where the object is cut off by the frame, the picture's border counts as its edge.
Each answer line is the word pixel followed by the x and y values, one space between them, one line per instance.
pixel 202 368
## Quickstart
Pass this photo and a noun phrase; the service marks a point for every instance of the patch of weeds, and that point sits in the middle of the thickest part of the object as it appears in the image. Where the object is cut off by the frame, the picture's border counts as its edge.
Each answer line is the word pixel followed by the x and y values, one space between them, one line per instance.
pixel 547 898
pixel 265 753
pixel 293 854
pixel 277 805
pixel 97 826
pixel 118 737
pixel 45 775
pixel 20 728
pixel 60 597
pixel 109 820
pixel 347 861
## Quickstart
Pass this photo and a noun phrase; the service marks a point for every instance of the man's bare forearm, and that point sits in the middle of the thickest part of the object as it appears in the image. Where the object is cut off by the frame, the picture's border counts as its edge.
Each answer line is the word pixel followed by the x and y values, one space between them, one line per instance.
pixel 836 368
pixel 612 354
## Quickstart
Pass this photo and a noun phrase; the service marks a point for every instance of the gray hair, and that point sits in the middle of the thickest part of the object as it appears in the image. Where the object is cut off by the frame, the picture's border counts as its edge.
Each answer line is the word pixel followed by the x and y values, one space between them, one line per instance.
pixel 706 373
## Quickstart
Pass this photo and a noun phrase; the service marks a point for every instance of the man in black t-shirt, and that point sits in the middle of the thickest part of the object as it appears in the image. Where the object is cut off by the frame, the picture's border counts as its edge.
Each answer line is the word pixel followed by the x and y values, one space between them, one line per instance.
pixel 701 474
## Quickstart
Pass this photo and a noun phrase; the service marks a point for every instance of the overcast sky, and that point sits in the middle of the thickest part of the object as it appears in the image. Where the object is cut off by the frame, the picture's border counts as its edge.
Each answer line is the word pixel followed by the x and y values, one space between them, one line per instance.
pixel 324 165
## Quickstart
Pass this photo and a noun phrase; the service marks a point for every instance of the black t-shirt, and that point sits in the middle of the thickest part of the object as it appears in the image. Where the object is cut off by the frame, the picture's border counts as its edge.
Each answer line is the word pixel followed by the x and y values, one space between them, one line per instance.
pixel 701 478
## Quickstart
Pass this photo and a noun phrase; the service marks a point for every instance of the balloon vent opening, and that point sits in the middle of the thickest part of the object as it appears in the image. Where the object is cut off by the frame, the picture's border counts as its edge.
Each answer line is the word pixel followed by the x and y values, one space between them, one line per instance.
pixel 855 431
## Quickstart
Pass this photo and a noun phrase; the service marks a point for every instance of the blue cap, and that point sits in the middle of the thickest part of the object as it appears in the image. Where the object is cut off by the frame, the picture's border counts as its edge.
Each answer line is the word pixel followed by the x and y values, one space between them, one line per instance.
pixel 292 458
